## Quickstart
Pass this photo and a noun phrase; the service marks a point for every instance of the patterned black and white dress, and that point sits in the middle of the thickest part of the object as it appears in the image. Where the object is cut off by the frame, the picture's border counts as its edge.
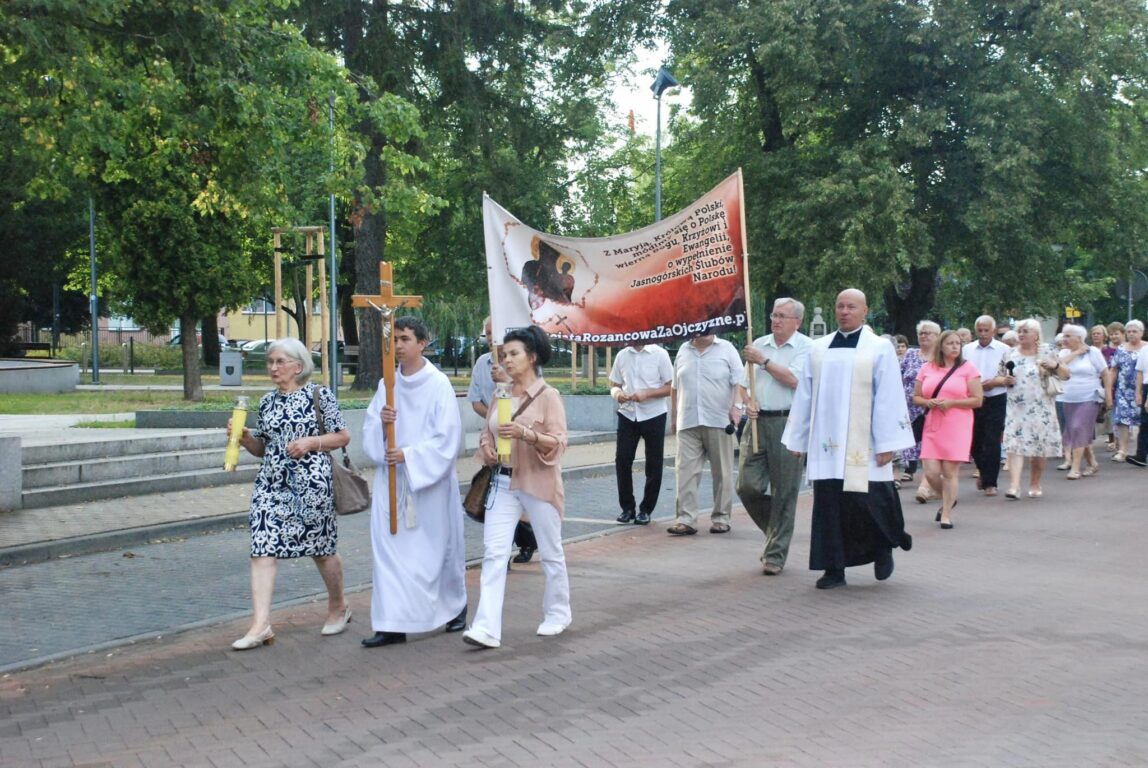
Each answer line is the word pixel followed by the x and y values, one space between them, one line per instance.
pixel 292 506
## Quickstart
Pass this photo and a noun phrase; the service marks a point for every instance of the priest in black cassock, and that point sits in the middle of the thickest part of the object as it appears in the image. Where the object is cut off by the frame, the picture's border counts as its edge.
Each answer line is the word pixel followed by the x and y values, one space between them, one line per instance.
pixel 849 418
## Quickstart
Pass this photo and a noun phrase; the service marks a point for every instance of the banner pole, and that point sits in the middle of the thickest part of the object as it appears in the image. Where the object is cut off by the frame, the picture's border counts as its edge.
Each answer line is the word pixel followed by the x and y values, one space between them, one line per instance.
pixel 750 367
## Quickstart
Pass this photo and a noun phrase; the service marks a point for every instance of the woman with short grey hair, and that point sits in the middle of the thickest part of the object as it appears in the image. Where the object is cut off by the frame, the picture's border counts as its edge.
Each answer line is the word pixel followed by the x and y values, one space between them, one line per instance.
pixel 292 505
pixel 1083 393
pixel 911 363
pixel 1120 393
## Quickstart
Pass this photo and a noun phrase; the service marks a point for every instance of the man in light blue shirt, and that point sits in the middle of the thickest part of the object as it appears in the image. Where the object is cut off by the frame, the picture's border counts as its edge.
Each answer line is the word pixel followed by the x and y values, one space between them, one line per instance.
pixel 770 477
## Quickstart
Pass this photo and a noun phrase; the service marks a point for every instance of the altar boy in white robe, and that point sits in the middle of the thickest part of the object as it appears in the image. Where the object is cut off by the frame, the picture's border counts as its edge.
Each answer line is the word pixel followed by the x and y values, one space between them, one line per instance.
pixel 849 419
pixel 420 571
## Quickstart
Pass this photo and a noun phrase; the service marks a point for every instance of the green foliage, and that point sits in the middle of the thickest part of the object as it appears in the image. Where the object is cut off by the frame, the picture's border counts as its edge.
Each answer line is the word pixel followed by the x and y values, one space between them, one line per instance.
pixel 930 154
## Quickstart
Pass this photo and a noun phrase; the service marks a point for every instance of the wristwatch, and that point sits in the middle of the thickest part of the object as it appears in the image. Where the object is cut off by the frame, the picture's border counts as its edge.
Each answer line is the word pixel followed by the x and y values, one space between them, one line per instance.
pixel 764 363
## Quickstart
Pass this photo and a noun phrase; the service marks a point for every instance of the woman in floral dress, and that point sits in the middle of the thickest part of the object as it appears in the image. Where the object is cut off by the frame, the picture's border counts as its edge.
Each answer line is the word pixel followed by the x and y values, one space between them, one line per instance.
pixel 292 506
pixel 927 332
pixel 1031 429
pixel 1121 394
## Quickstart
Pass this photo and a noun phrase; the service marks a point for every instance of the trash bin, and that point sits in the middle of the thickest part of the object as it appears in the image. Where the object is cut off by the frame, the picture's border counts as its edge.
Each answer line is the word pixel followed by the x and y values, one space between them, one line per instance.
pixel 231 367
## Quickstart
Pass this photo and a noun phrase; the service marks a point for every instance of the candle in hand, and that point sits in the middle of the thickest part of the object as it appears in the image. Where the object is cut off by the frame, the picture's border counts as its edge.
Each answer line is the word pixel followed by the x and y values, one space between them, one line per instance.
pixel 238 422
pixel 502 395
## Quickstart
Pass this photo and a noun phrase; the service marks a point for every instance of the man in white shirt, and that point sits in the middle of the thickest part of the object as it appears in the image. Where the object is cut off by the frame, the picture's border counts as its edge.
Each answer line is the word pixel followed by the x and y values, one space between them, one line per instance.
pixel 640 383
pixel 988 421
pixel 770 478
pixel 849 419
pixel 708 383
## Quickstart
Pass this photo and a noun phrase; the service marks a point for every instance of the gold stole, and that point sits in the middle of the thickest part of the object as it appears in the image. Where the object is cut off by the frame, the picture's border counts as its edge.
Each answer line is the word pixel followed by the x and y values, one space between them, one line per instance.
pixel 857 439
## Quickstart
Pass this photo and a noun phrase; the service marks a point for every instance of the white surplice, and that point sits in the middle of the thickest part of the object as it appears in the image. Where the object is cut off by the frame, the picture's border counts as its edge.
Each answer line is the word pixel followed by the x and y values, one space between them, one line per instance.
pixel 822 436
pixel 420 571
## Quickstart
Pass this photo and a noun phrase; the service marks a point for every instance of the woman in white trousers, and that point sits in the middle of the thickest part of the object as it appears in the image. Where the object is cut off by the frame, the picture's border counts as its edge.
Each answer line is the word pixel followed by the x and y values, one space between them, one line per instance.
pixel 527 482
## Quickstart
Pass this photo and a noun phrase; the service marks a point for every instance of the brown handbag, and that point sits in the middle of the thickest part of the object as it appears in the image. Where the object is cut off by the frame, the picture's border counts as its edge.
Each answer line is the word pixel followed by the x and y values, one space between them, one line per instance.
pixel 352 493
pixel 478 495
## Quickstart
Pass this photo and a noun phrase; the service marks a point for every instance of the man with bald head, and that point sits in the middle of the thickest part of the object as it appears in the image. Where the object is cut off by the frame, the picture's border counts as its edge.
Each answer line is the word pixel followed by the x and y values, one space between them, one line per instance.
pixel 849 419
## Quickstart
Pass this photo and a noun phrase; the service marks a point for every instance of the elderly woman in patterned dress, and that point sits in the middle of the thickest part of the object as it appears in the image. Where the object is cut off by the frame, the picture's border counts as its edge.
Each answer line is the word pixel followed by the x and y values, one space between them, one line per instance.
pixel 1031 430
pixel 292 505
pixel 927 333
pixel 1120 394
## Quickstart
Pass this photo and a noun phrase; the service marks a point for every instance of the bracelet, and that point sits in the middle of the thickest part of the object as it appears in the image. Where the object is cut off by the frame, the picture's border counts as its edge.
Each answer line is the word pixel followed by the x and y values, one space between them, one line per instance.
pixel 320 442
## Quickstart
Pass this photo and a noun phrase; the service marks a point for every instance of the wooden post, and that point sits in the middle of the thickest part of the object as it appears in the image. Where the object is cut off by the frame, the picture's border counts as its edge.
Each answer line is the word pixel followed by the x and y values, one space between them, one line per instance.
pixel 385 303
pixel 277 240
pixel 324 312
pixel 609 361
pixel 748 307
pixel 592 364
pixel 573 366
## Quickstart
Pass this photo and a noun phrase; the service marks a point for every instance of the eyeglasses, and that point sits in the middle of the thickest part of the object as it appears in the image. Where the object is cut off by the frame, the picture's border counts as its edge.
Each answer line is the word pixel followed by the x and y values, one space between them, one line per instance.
pixel 779 316
pixel 276 363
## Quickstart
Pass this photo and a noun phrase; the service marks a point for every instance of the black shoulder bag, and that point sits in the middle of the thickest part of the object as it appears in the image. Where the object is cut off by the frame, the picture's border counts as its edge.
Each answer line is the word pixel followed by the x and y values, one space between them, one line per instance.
pixel 919 422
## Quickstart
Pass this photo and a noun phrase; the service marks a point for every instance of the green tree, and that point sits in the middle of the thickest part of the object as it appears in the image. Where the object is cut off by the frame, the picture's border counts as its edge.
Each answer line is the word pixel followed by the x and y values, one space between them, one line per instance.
pixel 509 94
pixel 182 119
pixel 970 153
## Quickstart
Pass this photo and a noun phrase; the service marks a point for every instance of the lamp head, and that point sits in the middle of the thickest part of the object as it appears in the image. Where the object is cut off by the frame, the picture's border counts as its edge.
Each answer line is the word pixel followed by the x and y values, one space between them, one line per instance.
pixel 663 82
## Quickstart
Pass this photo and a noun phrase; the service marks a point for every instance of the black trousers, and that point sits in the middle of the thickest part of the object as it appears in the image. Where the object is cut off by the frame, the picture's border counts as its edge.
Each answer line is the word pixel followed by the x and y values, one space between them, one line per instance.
pixel 1142 438
pixel 988 426
pixel 653 433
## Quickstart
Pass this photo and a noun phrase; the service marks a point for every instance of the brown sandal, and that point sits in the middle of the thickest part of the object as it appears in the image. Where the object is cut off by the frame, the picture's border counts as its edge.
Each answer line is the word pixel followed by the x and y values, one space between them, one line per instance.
pixel 719 528
pixel 681 529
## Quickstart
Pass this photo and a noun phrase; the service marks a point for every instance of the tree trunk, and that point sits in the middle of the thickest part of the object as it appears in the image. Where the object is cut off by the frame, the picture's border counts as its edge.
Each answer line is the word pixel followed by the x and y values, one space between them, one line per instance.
pixel 192 379
pixel 909 302
pixel 210 326
pixel 370 227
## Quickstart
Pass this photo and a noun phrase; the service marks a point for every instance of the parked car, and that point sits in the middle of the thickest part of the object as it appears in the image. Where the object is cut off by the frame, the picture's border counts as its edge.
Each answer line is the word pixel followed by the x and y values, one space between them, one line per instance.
pixel 255 353
pixel 176 339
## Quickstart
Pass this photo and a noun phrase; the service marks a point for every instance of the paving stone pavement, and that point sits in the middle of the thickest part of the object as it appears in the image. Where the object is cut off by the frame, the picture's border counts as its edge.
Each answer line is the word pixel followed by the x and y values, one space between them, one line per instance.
pixel 1016 639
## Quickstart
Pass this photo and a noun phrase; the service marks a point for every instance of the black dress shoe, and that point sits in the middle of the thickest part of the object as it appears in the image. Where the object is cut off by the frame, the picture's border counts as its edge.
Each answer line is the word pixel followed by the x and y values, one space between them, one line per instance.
pixel 458 623
pixel 643 518
pixel 524 554
pixel 380 639
pixel 883 566
pixel 832 578
pixel 627 516
pixel 1136 461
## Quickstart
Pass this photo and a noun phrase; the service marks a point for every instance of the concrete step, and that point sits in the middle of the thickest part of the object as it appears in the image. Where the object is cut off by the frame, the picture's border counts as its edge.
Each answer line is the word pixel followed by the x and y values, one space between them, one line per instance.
pixel 80 493
pixel 55 453
pixel 127 467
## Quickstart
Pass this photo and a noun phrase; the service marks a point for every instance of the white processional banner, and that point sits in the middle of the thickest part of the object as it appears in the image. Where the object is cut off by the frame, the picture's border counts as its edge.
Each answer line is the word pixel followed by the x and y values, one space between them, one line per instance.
pixel 668 281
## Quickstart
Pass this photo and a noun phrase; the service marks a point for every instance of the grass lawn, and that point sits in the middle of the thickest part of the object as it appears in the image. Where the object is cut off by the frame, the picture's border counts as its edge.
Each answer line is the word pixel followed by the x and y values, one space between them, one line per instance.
pixel 115 401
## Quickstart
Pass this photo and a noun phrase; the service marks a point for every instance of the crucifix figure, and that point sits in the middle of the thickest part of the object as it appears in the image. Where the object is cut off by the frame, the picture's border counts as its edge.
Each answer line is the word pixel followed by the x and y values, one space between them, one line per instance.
pixel 385 303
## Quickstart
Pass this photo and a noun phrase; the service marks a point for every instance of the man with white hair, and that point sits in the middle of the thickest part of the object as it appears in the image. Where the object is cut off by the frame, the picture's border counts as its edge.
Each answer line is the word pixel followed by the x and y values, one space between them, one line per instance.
pixel 849 418
pixel 988 421
pixel 770 477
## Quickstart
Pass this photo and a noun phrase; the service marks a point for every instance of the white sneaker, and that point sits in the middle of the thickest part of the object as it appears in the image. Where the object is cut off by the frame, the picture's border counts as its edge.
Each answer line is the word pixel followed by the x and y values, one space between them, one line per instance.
pixel 551 628
pixel 477 637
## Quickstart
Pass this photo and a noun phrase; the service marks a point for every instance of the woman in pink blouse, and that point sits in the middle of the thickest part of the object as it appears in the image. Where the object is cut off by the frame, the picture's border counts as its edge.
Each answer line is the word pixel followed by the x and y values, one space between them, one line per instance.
pixel 530 484
pixel 949 390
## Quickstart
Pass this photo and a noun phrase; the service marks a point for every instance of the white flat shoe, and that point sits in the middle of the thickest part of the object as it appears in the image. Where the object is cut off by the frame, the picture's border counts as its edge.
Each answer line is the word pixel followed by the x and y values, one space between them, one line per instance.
pixel 551 628
pixel 247 642
pixel 340 625
pixel 479 638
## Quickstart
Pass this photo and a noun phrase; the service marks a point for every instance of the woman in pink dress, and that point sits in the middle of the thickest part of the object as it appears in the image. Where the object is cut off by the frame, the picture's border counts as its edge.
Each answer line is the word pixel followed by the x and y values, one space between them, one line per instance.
pixel 949 390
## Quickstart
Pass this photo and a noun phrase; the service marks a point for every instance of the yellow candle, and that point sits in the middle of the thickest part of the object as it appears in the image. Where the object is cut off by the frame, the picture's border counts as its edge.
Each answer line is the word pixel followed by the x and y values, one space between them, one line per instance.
pixel 238 422
pixel 504 414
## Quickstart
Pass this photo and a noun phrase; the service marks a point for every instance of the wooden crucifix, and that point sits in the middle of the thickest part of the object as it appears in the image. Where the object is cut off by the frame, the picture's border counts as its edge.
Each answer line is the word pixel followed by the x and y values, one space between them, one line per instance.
pixel 385 303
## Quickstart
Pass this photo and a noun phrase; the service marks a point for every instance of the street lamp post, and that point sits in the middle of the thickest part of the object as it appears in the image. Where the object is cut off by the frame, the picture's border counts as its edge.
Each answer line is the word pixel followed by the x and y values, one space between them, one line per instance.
pixel 663 82
pixel 93 298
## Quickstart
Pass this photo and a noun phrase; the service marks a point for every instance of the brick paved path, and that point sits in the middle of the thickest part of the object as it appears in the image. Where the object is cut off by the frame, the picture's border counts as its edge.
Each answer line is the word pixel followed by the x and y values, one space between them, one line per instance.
pixel 1016 639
